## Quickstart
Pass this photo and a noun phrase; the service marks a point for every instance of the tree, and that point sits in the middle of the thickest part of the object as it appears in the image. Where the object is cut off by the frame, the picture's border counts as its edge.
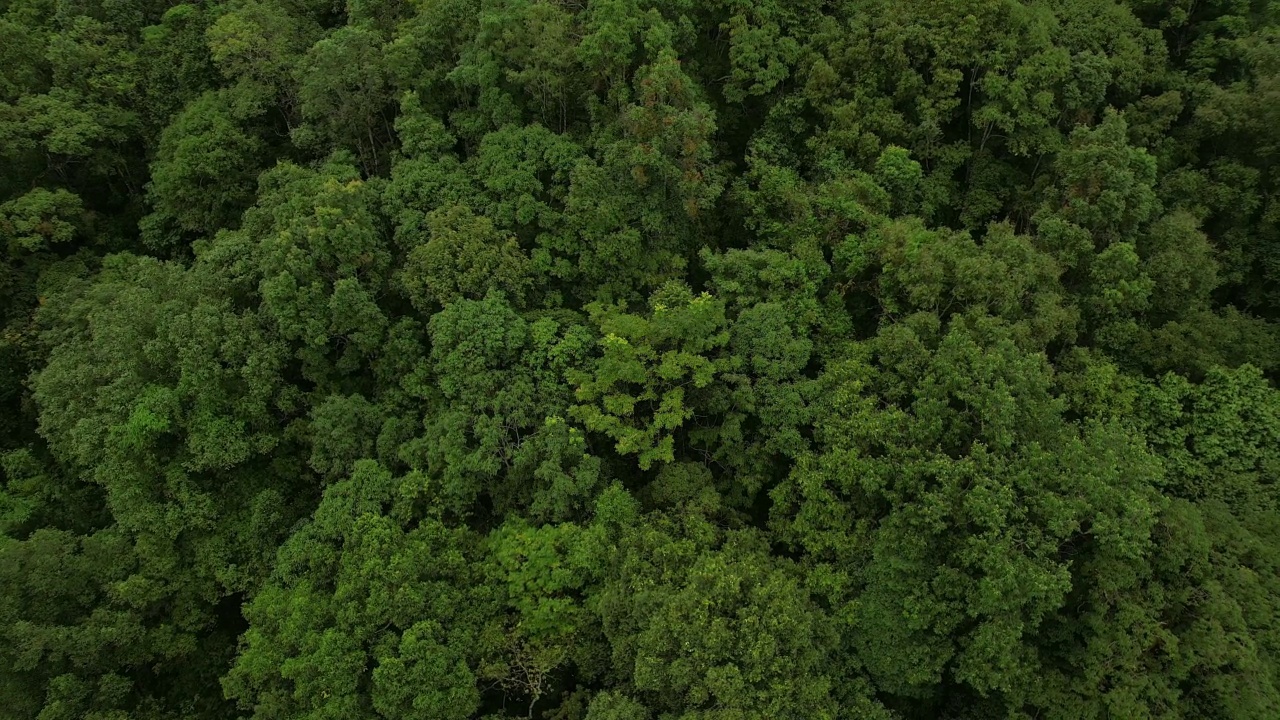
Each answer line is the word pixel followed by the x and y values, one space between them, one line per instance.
pixel 206 167
pixel 938 509
pixel 366 582
pixel 636 393
pixel 343 96
pixel 465 256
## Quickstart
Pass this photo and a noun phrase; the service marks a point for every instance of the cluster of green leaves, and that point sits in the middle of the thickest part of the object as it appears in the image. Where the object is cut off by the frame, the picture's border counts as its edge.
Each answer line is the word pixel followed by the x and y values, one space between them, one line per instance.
pixel 639 359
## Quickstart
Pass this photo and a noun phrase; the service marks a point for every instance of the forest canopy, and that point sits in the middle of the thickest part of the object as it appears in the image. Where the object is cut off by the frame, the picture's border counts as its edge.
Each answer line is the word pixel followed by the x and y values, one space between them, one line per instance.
pixel 639 359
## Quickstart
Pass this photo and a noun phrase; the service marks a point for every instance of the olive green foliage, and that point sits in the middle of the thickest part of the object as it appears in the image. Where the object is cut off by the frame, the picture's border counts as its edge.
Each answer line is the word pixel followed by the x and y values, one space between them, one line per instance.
pixel 639 360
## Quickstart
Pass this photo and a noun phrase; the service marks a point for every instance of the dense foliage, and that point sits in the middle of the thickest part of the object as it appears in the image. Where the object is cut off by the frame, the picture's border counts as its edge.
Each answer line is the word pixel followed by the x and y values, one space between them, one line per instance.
pixel 639 359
